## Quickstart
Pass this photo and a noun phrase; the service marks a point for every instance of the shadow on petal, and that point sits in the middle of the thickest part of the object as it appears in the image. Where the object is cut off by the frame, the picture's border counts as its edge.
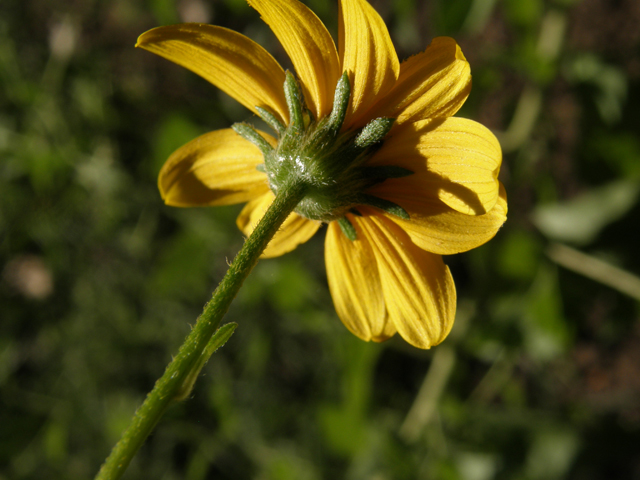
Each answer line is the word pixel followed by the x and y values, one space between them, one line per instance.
pixel 454 160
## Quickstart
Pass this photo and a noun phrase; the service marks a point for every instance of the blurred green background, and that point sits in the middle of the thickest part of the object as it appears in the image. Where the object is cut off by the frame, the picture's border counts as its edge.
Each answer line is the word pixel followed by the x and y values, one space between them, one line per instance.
pixel 99 281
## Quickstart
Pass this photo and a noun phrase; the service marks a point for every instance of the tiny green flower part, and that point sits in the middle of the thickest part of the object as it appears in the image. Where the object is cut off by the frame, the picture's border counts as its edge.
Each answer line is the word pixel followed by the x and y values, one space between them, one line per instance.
pixel 396 177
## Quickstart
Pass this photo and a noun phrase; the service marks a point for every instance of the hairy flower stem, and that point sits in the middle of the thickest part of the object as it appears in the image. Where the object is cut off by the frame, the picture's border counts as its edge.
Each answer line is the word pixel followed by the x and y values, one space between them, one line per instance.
pixel 170 387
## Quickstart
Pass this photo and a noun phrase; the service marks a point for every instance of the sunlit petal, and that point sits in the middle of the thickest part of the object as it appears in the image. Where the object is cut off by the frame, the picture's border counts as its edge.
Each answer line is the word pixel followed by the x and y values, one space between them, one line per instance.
pixel 455 159
pixel 367 53
pixel 294 231
pixel 434 83
pixel 232 62
pixel 355 284
pixel 438 228
pixel 217 168
pixel 310 47
pixel 419 292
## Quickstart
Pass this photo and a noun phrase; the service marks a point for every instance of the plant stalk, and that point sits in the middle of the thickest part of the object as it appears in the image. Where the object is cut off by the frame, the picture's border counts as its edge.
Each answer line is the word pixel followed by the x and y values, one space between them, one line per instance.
pixel 168 388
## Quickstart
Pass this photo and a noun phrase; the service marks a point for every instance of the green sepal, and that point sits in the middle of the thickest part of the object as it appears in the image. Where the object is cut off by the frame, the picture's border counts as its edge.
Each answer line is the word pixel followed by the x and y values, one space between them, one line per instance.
pixel 250 134
pixel 330 161
pixel 271 120
pixel 295 102
pixel 340 104
pixel 260 167
pixel 217 340
pixel 348 229
pixel 374 132
pixel 385 205
pixel 329 127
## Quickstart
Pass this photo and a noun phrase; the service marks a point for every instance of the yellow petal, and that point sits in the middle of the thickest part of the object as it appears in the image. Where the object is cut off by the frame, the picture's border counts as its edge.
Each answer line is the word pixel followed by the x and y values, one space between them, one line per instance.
pixel 355 284
pixel 367 53
pixel 217 168
pixel 439 229
pixel 232 62
pixel 455 159
pixel 418 288
pixel 310 47
pixel 434 83
pixel 294 231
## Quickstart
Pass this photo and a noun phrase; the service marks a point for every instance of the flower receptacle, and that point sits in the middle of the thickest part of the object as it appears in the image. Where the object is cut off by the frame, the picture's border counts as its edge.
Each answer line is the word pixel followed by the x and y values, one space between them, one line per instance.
pixel 329 159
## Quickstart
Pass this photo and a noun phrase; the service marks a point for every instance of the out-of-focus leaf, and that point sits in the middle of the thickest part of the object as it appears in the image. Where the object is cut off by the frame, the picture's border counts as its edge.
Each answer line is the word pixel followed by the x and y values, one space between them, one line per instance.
pixel 344 426
pixel 286 464
pixel 174 131
pixel 621 151
pixel 580 220
pixel 165 11
pixel 610 82
pixel 519 255
pixel 545 330
pixel 183 268
pixel 524 12
pixel 451 15
pixel 477 466
pixel 56 441
pixel 291 289
pixel 552 453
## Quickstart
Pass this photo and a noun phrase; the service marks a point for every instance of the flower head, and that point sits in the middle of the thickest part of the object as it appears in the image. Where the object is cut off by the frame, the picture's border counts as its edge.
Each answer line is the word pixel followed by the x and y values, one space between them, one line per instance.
pixel 397 178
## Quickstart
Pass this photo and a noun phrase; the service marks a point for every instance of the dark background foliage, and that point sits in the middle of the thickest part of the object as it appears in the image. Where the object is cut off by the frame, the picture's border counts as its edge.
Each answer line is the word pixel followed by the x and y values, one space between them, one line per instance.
pixel 99 281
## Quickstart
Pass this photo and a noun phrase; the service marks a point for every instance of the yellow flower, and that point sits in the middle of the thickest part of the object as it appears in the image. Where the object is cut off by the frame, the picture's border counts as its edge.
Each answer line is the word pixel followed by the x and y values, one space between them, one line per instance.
pixel 440 194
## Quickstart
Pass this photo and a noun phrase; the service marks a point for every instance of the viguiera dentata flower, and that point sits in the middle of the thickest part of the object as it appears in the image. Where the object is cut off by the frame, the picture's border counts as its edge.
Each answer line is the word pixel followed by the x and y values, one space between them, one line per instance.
pixel 396 177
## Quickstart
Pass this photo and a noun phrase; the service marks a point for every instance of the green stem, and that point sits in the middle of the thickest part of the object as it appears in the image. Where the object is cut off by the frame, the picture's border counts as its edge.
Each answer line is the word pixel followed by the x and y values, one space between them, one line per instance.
pixel 168 387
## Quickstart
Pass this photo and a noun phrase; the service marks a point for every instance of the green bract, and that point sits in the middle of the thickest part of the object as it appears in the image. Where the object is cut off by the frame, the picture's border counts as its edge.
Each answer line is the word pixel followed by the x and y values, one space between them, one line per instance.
pixel 325 158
